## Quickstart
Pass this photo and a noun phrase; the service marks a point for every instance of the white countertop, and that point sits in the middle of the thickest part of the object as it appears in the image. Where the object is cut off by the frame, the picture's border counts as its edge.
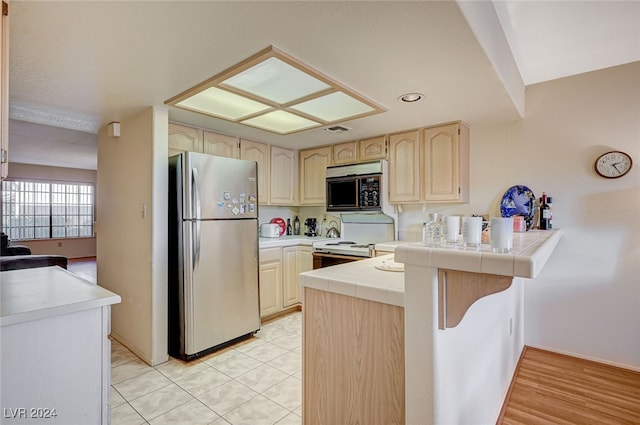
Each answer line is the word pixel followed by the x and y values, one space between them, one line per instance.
pixel 290 240
pixel 42 292
pixel 530 252
pixel 360 279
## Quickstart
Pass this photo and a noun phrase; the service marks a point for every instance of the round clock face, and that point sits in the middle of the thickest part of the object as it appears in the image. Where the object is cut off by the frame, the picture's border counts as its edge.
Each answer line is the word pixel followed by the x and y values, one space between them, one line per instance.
pixel 613 164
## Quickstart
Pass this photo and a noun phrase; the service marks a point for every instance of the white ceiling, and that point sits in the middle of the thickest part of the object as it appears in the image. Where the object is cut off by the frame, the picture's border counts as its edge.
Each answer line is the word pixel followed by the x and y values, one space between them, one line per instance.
pixel 81 65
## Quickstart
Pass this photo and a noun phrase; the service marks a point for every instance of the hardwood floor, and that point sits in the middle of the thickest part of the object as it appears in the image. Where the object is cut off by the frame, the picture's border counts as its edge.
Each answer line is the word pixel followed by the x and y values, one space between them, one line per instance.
pixel 551 388
pixel 85 267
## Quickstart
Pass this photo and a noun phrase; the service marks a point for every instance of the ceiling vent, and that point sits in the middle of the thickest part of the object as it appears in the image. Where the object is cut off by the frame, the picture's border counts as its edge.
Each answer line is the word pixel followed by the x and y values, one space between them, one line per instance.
pixel 337 129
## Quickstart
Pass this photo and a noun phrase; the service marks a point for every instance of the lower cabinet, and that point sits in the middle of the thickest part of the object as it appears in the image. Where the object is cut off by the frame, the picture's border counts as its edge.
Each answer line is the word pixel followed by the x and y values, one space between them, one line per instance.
pixel 279 270
pixel 296 259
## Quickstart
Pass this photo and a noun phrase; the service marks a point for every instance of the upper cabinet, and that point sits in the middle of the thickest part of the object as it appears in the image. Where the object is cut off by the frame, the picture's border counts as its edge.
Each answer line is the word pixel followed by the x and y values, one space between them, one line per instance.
pixel 220 144
pixel 445 159
pixel 345 153
pixel 259 152
pixel 360 151
pixel 184 139
pixel 283 176
pixel 313 174
pixel 4 90
pixel 430 165
pixel 372 149
pixel 404 167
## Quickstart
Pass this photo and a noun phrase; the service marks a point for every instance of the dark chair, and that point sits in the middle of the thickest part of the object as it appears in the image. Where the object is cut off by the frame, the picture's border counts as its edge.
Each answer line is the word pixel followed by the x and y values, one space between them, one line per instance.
pixel 16 262
pixel 14 257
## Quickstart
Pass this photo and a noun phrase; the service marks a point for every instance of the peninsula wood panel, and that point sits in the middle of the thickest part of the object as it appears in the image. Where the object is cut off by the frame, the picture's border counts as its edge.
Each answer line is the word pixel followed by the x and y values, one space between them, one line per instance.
pixel 353 361
pixel 552 388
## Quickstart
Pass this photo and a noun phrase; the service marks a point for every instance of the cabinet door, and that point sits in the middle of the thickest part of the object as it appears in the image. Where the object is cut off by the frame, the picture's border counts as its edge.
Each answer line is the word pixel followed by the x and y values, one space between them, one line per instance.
pixel 313 174
pixel 184 139
pixel 372 149
pixel 345 153
pixel 283 176
pixel 220 145
pixel 259 152
pixel 445 163
pixel 4 94
pixel 404 167
pixel 290 290
pixel 270 279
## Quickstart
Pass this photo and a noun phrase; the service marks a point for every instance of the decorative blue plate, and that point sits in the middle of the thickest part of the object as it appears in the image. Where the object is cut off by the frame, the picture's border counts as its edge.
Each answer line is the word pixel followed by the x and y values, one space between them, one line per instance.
pixel 519 200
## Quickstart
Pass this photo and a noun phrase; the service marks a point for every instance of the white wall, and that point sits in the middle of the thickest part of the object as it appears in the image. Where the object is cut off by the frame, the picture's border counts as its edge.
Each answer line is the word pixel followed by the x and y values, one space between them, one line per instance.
pixel 586 301
pixel 69 247
pixel 132 246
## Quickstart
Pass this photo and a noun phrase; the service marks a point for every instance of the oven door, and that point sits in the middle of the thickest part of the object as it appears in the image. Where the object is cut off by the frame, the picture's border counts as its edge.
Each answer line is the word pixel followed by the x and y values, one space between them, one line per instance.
pixel 343 193
pixel 322 259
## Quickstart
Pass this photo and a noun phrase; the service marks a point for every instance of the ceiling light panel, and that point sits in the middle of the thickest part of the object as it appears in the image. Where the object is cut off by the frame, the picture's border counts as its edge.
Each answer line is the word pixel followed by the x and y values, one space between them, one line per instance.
pixel 276 92
pixel 221 103
pixel 281 122
pixel 333 107
pixel 276 81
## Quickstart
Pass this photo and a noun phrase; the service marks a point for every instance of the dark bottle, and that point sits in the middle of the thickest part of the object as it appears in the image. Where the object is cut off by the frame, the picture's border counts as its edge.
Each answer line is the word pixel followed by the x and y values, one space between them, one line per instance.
pixel 296 226
pixel 545 213
pixel 550 203
pixel 288 226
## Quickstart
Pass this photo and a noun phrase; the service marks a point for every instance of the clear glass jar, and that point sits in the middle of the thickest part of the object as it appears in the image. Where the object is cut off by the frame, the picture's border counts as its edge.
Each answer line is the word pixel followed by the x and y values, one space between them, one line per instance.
pixel 432 231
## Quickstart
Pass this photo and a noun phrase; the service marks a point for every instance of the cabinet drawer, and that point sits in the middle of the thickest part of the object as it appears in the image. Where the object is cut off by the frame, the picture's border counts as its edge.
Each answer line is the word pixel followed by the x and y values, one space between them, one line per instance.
pixel 270 254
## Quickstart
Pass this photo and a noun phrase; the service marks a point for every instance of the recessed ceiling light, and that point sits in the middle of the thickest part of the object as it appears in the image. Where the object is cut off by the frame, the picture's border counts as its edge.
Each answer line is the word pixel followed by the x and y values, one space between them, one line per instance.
pixel 274 91
pixel 411 97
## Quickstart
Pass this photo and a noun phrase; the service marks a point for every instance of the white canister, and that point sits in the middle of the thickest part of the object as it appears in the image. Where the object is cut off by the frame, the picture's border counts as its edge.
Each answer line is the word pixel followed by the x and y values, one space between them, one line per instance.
pixel 501 234
pixel 452 229
pixel 472 231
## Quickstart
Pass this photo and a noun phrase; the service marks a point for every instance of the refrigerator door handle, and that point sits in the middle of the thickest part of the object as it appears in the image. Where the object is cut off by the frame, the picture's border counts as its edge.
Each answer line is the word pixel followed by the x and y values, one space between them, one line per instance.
pixel 197 208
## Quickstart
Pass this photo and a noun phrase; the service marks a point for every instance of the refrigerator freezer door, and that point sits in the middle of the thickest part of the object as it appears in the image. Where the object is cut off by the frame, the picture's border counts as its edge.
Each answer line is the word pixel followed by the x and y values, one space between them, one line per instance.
pixel 218 187
pixel 221 288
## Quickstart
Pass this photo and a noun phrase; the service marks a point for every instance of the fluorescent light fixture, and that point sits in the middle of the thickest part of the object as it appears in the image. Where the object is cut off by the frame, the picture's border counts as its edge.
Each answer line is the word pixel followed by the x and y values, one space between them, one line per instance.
pixel 281 122
pixel 273 91
pixel 333 107
pixel 222 104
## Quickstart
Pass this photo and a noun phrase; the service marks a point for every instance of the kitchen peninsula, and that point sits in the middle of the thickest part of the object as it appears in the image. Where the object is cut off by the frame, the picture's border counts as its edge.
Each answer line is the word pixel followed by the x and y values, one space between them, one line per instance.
pixel 55 350
pixel 455 319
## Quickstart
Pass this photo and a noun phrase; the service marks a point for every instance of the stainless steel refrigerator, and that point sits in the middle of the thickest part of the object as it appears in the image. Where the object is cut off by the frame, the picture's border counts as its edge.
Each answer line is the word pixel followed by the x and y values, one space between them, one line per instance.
pixel 213 253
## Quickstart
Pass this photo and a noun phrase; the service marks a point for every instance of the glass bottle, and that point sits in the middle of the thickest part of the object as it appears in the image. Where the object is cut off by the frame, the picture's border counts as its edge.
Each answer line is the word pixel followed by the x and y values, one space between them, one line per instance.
pixel 432 231
pixel 288 226
pixel 296 226
pixel 545 213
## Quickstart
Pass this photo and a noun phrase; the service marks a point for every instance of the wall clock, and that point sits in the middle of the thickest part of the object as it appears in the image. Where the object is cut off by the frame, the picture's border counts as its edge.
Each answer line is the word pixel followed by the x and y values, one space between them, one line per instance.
pixel 614 164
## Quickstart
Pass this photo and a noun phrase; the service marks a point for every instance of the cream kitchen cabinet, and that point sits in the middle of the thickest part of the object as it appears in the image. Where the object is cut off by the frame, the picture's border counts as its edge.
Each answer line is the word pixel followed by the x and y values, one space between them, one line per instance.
pixel 372 149
pixel 430 165
pixel 184 139
pixel 259 152
pixel 360 151
pixel 220 144
pixel 345 153
pixel 445 163
pixel 296 259
pixel 282 188
pixel 313 172
pixel 270 277
pixel 4 90
pixel 404 167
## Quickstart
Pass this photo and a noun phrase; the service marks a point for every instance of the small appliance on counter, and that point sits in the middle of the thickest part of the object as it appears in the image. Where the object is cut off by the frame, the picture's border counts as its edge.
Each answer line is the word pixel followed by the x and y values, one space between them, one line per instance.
pixel 311 224
pixel 270 230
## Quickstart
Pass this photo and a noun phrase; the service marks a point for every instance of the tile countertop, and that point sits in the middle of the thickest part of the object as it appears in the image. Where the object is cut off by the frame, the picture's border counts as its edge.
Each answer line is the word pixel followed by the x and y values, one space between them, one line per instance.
pixel 290 240
pixel 359 279
pixel 530 252
pixel 43 292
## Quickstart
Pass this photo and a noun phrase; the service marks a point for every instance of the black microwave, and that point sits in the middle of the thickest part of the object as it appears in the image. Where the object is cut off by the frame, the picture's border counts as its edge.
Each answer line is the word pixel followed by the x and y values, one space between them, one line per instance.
pixel 350 189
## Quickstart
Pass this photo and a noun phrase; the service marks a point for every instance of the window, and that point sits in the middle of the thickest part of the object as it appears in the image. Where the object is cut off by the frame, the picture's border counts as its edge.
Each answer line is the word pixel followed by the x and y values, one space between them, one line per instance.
pixel 41 210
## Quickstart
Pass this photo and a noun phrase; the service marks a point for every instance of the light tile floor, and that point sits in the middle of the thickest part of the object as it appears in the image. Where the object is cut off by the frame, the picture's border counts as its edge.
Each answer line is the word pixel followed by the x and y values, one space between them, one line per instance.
pixel 254 382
